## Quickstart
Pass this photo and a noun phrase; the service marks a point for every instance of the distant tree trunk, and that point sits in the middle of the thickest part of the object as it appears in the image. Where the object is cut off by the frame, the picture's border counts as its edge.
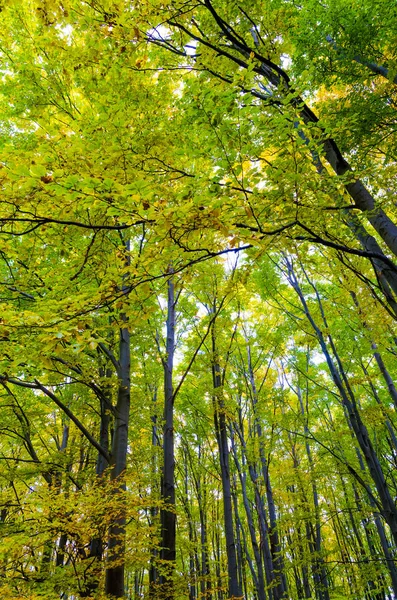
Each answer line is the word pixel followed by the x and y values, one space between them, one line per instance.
pixel 387 551
pixel 216 548
pixel 271 576
pixel 205 575
pixel 281 590
pixel 168 516
pixel 96 544
pixel 114 580
pixel 222 440
pixel 105 406
pixel 239 551
pixel 386 375
pixel 389 426
pixel 153 569
pixel 258 576
pixel 193 557
pixel 319 571
pixel 379 582
pixel 60 551
pixel 378 357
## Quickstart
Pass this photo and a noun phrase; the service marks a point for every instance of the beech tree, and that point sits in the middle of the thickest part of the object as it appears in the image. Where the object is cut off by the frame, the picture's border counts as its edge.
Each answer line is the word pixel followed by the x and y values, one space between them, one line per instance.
pixel 198 242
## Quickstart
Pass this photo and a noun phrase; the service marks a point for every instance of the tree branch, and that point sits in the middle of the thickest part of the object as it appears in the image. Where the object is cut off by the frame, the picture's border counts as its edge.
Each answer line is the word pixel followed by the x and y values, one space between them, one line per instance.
pixel 38 386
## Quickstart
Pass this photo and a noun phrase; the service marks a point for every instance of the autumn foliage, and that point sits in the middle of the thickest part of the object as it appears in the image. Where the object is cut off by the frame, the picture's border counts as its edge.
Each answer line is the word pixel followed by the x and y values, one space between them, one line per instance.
pixel 198 265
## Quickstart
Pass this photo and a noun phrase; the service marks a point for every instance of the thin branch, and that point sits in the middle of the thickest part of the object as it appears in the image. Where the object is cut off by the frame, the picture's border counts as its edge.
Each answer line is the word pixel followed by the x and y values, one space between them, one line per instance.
pixel 111 357
pixel 38 386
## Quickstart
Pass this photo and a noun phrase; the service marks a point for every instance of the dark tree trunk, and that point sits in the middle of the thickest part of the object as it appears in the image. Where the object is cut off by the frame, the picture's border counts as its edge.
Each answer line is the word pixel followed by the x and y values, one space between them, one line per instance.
pixel 205 579
pixel 387 277
pixel 114 576
pixel 168 516
pixel 114 584
pixel 153 569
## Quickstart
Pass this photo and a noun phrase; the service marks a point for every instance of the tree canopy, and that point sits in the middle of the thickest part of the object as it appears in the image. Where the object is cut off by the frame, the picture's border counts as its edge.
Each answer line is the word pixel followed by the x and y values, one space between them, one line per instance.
pixel 198 244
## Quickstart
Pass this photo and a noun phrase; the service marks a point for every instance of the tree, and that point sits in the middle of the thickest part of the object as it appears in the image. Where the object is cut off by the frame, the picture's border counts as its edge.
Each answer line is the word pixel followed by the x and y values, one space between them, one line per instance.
pixel 198 237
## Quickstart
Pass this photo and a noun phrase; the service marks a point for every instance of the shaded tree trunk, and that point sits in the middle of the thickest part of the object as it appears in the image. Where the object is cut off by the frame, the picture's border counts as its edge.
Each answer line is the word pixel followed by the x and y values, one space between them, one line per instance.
pixel 116 547
pixel 168 516
pixel 114 576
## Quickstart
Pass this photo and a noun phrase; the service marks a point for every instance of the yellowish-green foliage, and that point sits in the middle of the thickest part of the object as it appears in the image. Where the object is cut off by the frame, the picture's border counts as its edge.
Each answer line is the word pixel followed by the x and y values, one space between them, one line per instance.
pixel 204 143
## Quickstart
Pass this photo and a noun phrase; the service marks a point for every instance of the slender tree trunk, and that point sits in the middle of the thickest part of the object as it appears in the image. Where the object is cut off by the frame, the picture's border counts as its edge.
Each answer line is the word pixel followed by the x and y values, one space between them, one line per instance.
pixel 259 579
pixel 221 435
pixel 319 567
pixel 389 426
pixel 386 375
pixel 216 545
pixel 388 553
pixel 277 558
pixel 60 552
pixel 153 571
pixel 379 360
pixel 370 541
pixel 379 524
pixel 193 558
pixel 168 516
pixel 96 544
pixel 205 578
pixel 114 577
pixel 114 584
pixel 264 537
pixel 239 549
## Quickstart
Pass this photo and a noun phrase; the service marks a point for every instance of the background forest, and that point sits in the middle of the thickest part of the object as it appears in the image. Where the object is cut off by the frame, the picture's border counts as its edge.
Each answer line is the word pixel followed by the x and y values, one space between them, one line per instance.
pixel 198 243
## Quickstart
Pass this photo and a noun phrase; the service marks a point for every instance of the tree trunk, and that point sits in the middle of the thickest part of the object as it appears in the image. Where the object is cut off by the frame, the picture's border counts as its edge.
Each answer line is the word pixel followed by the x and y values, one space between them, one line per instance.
pixel 153 569
pixel 221 436
pixel 259 579
pixel 114 576
pixel 114 584
pixel 277 558
pixel 168 516
pixel 205 579
pixel 387 277
pixel 320 573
